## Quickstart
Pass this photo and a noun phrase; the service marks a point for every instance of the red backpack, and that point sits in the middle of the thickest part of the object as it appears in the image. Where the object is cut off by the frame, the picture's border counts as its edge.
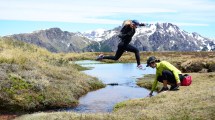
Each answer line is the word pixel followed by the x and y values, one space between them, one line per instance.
pixel 187 80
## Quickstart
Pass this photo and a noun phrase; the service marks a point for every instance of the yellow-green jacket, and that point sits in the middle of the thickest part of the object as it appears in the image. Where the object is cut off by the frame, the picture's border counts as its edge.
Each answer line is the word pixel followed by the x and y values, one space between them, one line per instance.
pixel 164 65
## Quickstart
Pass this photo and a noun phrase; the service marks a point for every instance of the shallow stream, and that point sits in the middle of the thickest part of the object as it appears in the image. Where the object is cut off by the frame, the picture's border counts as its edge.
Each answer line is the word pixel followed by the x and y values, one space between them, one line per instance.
pixel 123 74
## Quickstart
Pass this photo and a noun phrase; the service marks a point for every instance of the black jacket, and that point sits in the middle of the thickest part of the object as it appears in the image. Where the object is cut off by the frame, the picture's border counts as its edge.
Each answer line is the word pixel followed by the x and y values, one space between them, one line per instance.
pixel 126 34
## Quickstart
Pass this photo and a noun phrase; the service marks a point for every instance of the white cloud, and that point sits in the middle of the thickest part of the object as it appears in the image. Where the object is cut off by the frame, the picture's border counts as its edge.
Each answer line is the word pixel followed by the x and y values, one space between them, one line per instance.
pixel 96 11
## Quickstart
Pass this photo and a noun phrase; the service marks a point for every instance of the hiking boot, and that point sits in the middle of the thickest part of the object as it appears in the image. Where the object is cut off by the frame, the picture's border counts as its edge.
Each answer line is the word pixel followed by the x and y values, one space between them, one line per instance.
pixel 100 57
pixel 164 89
pixel 174 87
pixel 140 66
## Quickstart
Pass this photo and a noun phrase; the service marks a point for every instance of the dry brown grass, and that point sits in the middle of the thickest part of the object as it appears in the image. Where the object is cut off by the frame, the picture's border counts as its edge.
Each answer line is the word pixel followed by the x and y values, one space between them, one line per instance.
pixel 46 79
pixel 32 78
pixel 147 82
pixel 168 56
pixel 185 61
pixel 195 102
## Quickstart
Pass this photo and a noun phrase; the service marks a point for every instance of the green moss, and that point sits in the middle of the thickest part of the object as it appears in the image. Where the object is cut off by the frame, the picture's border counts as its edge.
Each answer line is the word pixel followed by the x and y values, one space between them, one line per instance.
pixel 5 60
pixel 78 67
pixel 20 94
pixel 16 85
pixel 147 82
pixel 19 89
pixel 96 84
pixel 119 105
pixel 34 97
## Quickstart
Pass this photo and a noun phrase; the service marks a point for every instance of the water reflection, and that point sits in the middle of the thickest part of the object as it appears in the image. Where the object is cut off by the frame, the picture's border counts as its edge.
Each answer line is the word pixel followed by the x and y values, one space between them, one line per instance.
pixel 103 100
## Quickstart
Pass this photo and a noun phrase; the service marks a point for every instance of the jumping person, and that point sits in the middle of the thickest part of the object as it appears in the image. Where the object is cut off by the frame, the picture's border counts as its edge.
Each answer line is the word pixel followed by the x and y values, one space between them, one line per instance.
pixel 166 73
pixel 126 34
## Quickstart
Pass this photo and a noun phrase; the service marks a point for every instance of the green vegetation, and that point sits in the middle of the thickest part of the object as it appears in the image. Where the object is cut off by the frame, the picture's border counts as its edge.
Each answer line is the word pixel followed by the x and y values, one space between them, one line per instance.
pixel 32 78
pixel 185 61
pixel 196 102
pixel 147 82
pixel 193 102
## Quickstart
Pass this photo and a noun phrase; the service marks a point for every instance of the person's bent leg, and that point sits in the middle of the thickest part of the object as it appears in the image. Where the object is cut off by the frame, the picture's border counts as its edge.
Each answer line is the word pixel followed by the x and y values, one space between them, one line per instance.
pixel 165 83
pixel 162 80
pixel 118 54
pixel 133 49
pixel 169 76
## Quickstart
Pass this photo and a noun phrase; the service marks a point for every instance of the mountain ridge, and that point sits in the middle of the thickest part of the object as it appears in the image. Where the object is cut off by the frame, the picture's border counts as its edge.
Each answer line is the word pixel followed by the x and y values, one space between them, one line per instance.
pixel 155 37
pixel 166 37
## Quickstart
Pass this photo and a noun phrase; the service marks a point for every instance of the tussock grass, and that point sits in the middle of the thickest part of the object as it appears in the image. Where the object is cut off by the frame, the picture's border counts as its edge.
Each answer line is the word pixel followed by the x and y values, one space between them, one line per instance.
pixel 185 61
pixel 192 102
pixel 147 82
pixel 32 78
pixel 70 116
pixel 189 103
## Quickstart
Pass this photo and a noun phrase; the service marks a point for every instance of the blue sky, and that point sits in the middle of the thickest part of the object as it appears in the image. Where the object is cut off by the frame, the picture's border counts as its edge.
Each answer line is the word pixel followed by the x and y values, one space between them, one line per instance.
pixel 25 16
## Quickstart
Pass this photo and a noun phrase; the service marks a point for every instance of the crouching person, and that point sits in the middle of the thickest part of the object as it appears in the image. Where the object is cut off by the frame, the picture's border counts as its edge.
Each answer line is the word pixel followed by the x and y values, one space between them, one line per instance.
pixel 166 73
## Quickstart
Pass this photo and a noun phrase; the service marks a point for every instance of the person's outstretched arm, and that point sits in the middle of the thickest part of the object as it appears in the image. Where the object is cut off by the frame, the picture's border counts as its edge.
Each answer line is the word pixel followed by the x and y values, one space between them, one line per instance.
pixel 154 85
pixel 145 24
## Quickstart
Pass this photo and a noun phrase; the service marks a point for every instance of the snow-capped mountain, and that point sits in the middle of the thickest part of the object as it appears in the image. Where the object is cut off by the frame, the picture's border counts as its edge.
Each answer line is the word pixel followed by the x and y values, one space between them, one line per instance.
pixel 157 37
pixel 99 34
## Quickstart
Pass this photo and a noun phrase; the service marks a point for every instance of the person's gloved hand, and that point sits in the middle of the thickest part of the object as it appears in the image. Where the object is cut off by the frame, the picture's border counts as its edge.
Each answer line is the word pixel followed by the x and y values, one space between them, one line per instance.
pixel 145 24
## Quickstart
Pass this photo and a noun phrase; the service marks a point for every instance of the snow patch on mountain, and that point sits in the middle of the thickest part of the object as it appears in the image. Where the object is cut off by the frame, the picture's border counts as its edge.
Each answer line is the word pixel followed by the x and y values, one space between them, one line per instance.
pixel 156 37
pixel 99 34
pixel 148 30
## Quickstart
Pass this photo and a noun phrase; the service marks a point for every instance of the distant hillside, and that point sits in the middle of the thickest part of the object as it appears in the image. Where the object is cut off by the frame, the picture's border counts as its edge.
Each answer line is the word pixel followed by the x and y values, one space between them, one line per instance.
pixel 156 37
pixel 55 40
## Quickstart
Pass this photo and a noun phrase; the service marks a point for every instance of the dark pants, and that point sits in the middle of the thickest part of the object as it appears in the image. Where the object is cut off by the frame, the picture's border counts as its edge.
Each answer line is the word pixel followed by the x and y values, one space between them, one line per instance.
pixel 169 76
pixel 121 49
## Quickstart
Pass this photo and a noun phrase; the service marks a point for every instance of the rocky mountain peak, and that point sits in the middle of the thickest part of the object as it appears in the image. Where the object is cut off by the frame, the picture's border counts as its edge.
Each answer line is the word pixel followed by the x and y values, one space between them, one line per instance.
pixel 161 37
pixel 155 37
pixel 55 40
pixel 54 30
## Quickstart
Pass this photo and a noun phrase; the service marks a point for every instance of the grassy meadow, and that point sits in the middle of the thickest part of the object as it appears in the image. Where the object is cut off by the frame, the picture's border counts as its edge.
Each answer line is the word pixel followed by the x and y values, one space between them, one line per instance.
pixel 185 61
pixel 196 102
pixel 33 79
